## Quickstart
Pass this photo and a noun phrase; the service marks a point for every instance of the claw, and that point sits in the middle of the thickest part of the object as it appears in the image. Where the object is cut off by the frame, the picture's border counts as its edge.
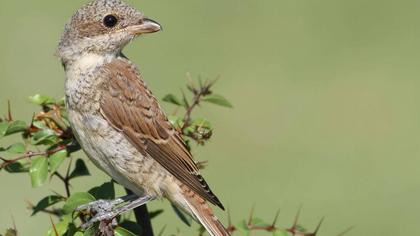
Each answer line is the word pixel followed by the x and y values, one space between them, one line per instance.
pixel 100 217
pixel 96 206
pixel 108 210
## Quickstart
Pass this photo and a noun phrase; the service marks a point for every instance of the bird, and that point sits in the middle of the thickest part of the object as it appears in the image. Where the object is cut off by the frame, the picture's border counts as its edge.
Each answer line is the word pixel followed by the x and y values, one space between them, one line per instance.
pixel 117 120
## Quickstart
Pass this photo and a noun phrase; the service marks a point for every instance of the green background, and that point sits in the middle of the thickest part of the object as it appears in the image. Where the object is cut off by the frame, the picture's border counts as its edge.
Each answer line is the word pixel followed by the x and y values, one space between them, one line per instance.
pixel 326 102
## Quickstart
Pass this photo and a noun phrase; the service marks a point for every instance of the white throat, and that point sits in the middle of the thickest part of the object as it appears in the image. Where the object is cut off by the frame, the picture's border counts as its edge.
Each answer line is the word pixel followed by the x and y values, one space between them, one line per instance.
pixel 89 61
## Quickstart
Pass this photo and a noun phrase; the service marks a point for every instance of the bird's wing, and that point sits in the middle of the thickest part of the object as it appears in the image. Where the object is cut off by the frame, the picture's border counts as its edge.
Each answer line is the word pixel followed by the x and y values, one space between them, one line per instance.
pixel 132 109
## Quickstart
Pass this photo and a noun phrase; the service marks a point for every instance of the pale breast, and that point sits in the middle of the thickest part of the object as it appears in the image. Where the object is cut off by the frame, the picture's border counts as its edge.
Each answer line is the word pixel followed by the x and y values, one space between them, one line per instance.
pixel 107 147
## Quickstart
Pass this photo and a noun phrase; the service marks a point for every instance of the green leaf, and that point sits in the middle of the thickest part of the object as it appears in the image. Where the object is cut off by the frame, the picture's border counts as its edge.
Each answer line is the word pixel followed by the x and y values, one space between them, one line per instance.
pixel 61 101
pixel 16 127
pixel 182 216
pixel 176 121
pixel 218 100
pixel 39 171
pixel 79 170
pixel 300 228
pixel 91 230
pixel 16 148
pixel 76 200
pixel 201 122
pixel 259 222
pixel 72 230
pixel 154 214
pixel 46 202
pixel 56 160
pixel 41 100
pixel 44 137
pixel 78 234
pixel 122 232
pixel 170 98
pixel 61 227
pixel 105 191
pixel 39 124
pixel 242 226
pixel 130 226
pixel 3 128
pixel 18 167
pixel 185 100
pixel 201 230
pixel 280 232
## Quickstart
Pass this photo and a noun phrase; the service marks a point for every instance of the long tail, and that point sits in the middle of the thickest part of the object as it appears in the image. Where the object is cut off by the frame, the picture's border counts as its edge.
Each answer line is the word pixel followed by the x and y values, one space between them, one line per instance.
pixel 202 211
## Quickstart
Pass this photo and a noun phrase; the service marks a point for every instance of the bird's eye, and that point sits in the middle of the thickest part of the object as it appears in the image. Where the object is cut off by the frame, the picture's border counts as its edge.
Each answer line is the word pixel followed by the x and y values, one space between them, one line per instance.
pixel 110 21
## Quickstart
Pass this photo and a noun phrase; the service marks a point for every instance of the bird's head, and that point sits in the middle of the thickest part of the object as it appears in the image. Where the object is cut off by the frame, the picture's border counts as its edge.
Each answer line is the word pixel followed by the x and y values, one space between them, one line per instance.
pixel 103 27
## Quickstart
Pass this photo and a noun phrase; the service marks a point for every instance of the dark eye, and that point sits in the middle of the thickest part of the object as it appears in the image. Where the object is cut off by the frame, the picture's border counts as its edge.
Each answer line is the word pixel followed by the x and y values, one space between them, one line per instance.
pixel 110 21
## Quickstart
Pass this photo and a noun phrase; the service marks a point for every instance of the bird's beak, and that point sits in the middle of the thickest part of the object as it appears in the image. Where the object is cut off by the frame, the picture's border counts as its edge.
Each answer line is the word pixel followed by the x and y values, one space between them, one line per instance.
pixel 145 26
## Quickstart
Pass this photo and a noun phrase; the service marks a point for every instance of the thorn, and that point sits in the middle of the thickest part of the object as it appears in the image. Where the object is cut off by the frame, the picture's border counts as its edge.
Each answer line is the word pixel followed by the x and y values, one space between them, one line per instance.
pixel 276 218
pixel 33 119
pixel 251 215
pixel 189 78
pixel 293 228
pixel 9 111
pixel 14 223
pixel 297 217
pixel 346 231
pixel 212 82
pixel 202 164
pixel 317 228
pixel 190 83
pixel 229 216
pixel 184 98
pixel 230 228
pixel 54 228
pixel 29 204
pixel 200 83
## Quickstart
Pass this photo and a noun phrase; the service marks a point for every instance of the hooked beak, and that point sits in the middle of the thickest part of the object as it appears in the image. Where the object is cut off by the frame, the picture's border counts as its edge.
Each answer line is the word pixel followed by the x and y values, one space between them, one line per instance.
pixel 145 26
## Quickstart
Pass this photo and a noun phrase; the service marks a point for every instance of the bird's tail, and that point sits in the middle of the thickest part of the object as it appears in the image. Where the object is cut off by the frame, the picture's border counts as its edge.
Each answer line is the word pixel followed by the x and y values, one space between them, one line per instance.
pixel 204 214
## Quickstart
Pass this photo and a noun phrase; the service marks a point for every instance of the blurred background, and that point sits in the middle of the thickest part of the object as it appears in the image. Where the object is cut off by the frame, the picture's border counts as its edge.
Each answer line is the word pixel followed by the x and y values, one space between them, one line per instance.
pixel 326 99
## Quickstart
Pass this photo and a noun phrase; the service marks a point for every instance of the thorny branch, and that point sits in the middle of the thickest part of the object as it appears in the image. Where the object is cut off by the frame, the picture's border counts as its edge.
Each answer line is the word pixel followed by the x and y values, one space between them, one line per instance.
pixel 200 92
pixel 295 229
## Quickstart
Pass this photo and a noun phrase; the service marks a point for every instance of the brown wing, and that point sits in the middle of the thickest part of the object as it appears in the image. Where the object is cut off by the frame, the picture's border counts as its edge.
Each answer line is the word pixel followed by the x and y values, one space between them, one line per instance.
pixel 132 109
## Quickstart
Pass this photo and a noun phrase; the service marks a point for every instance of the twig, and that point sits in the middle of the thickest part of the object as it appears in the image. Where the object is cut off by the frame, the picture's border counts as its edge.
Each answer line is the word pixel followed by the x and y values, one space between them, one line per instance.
pixel 346 231
pixel 66 182
pixel 30 154
pixel 14 225
pixel 9 111
pixel 54 228
pixel 187 116
pixel 199 93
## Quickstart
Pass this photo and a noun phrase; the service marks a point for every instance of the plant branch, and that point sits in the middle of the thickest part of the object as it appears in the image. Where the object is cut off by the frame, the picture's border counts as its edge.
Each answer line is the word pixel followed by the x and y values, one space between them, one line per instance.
pixel 203 90
pixel 66 182
pixel 189 110
pixel 30 154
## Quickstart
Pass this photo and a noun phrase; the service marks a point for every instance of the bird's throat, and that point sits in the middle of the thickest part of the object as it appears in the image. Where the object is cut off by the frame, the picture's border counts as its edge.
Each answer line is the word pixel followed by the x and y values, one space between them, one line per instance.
pixel 89 61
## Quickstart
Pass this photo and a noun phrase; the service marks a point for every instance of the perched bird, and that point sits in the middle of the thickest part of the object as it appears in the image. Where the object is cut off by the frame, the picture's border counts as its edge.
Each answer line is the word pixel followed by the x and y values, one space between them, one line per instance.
pixel 116 119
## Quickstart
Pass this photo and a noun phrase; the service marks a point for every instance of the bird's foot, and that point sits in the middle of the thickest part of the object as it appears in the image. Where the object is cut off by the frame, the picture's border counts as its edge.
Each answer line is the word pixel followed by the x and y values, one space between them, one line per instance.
pixel 108 210
pixel 102 210
pixel 107 217
pixel 96 207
